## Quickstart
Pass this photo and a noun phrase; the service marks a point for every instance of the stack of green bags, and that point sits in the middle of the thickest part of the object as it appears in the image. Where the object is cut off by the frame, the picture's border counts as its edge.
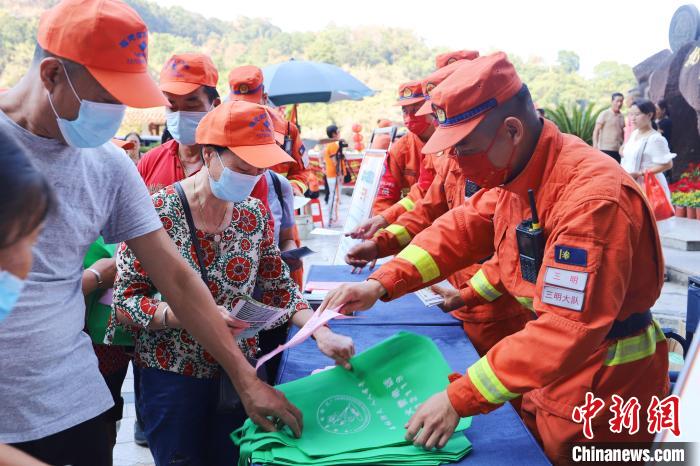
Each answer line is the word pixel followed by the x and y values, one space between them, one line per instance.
pixel 358 417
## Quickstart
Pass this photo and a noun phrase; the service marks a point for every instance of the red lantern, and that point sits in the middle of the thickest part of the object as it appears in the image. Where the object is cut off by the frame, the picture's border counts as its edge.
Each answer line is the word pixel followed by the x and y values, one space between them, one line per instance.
pixel 356 128
pixel 359 147
pixel 357 137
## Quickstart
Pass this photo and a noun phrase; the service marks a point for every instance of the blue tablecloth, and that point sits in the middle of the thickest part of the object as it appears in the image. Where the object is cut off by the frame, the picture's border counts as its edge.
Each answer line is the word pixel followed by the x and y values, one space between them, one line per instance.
pixel 407 310
pixel 498 438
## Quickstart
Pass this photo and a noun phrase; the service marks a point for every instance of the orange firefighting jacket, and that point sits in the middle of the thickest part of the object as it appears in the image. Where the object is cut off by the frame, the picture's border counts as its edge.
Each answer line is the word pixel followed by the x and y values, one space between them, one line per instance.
pixel 602 263
pixel 399 187
pixel 447 191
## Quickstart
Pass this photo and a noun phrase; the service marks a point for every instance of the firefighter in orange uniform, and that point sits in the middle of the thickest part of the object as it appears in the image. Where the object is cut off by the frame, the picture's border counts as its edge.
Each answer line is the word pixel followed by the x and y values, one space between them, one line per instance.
pixel 382 218
pixel 405 162
pixel 591 262
pixel 490 315
pixel 246 83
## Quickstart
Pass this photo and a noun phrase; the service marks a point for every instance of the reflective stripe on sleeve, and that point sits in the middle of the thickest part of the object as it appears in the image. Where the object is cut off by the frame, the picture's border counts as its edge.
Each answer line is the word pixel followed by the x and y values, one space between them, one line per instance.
pixel 401 233
pixel 485 380
pixel 422 261
pixel 302 186
pixel 483 287
pixel 632 349
pixel 525 302
pixel 407 204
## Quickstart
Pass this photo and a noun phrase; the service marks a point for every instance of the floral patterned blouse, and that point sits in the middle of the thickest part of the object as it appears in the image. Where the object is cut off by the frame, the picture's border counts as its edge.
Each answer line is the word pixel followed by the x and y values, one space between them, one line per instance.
pixel 244 259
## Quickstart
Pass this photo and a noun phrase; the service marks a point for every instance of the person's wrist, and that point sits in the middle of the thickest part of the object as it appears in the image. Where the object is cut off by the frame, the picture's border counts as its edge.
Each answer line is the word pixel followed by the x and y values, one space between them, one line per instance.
pixel 98 278
pixel 378 289
pixel 321 333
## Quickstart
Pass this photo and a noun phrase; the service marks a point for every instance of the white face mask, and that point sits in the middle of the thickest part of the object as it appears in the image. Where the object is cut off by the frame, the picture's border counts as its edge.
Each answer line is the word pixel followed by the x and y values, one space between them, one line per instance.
pixel 96 124
pixel 183 125
pixel 232 186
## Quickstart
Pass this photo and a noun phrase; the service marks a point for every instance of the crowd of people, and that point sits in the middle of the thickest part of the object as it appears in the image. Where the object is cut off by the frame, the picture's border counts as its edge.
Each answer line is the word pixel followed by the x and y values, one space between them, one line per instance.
pixel 161 247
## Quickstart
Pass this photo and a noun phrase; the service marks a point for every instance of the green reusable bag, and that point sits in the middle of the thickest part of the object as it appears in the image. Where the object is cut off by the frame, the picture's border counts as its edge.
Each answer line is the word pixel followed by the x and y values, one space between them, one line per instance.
pixel 359 410
pixel 97 314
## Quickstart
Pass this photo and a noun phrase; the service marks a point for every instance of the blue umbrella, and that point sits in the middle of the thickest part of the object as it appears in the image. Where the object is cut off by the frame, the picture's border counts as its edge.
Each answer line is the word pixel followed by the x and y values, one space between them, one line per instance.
pixel 301 81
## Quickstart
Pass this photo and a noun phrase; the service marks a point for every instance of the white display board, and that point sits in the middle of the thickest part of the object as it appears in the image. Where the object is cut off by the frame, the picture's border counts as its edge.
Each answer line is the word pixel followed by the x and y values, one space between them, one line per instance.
pixel 363 195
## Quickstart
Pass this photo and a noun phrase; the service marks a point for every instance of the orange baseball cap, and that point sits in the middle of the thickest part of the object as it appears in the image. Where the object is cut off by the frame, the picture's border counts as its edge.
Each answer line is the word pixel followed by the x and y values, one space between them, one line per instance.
pixel 246 83
pixel 122 144
pixel 246 129
pixel 462 100
pixel 111 40
pixel 448 58
pixel 185 72
pixel 432 81
pixel 410 93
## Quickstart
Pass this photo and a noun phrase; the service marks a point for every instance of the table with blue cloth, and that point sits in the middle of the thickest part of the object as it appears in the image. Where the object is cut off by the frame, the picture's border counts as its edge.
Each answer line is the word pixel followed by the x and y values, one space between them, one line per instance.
pixel 498 438
pixel 407 310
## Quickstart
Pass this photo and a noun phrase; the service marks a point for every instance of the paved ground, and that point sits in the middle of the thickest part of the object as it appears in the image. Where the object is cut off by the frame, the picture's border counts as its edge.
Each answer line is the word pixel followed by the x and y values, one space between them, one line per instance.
pixel 669 309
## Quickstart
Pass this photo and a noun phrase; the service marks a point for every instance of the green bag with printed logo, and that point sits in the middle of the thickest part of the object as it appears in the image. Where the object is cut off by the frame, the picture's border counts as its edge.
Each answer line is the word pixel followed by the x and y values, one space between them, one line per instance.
pixel 355 417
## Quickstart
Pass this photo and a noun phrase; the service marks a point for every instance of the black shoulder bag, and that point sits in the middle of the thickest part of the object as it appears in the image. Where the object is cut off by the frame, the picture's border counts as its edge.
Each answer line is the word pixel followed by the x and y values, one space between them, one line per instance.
pixel 228 397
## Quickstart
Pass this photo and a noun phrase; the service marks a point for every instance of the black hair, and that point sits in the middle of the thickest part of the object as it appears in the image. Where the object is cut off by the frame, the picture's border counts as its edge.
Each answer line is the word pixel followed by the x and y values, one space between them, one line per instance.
pixel 616 95
pixel 166 136
pixel 330 130
pixel 211 93
pixel 134 133
pixel 647 107
pixel 40 54
pixel 25 198
pixel 541 112
pixel 663 105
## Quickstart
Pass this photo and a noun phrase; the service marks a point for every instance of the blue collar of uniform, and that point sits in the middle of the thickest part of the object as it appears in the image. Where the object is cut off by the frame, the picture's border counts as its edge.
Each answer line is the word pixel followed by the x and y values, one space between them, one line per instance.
pixel 249 91
pixel 469 114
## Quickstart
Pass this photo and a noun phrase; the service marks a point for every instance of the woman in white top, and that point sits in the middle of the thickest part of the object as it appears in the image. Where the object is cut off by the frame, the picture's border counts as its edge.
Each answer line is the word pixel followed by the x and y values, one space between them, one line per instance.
pixel 646 150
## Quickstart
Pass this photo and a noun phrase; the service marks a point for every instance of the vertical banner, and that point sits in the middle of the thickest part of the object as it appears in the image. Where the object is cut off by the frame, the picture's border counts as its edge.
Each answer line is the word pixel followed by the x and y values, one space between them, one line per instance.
pixel 363 195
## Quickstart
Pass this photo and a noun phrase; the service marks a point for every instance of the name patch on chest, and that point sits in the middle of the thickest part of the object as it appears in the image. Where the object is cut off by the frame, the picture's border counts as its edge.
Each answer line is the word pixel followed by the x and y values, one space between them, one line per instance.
pixel 571 256
pixel 562 297
pixel 566 278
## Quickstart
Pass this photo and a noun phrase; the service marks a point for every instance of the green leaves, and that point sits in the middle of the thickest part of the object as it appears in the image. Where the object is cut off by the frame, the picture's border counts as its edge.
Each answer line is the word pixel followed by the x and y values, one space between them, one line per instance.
pixel 576 119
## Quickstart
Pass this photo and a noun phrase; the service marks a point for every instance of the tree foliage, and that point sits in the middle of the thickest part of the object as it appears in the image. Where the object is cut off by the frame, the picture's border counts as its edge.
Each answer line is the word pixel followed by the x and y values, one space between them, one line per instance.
pixel 382 57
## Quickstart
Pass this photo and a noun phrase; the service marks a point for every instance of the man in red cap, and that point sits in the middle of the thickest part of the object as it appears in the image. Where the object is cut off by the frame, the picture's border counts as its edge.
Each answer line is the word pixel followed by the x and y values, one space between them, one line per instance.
pixel 448 58
pixel 405 163
pixel 246 83
pixel 90 63
pixel 575 257
pixel 188 81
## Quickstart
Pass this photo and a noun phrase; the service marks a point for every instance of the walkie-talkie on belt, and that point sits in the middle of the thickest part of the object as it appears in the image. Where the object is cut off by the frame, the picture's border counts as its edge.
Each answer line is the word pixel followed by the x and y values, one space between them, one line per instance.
pixel 530 239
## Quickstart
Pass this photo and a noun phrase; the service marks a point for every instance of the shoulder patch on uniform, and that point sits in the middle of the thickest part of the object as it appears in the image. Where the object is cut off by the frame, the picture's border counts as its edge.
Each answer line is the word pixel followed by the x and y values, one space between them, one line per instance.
pixel 571 256
pixel 302 149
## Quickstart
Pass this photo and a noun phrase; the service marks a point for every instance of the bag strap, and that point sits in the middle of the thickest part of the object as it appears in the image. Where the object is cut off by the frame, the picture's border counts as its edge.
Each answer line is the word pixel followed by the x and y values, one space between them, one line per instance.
pixel 640 155
pixel 193 236
pixel 278 189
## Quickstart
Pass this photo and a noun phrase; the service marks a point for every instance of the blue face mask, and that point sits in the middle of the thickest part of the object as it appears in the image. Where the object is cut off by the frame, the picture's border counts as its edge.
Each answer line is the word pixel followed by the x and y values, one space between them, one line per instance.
pixel 96 124
pixel 183 125
pixel 10 289
pixel 232 186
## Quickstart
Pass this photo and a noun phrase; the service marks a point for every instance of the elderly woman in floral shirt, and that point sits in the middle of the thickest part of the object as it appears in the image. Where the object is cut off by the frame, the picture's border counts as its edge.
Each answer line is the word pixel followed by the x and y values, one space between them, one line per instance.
pixel 179 379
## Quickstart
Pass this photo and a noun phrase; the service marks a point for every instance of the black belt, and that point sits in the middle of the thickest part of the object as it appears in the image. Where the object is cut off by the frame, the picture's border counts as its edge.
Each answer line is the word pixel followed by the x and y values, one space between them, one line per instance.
pixel 630 326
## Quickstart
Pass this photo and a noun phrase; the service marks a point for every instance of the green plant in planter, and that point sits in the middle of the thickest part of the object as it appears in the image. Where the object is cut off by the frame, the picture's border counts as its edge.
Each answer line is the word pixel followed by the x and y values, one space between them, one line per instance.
pixel 576 119
pixel 694 199
pixel 678 198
